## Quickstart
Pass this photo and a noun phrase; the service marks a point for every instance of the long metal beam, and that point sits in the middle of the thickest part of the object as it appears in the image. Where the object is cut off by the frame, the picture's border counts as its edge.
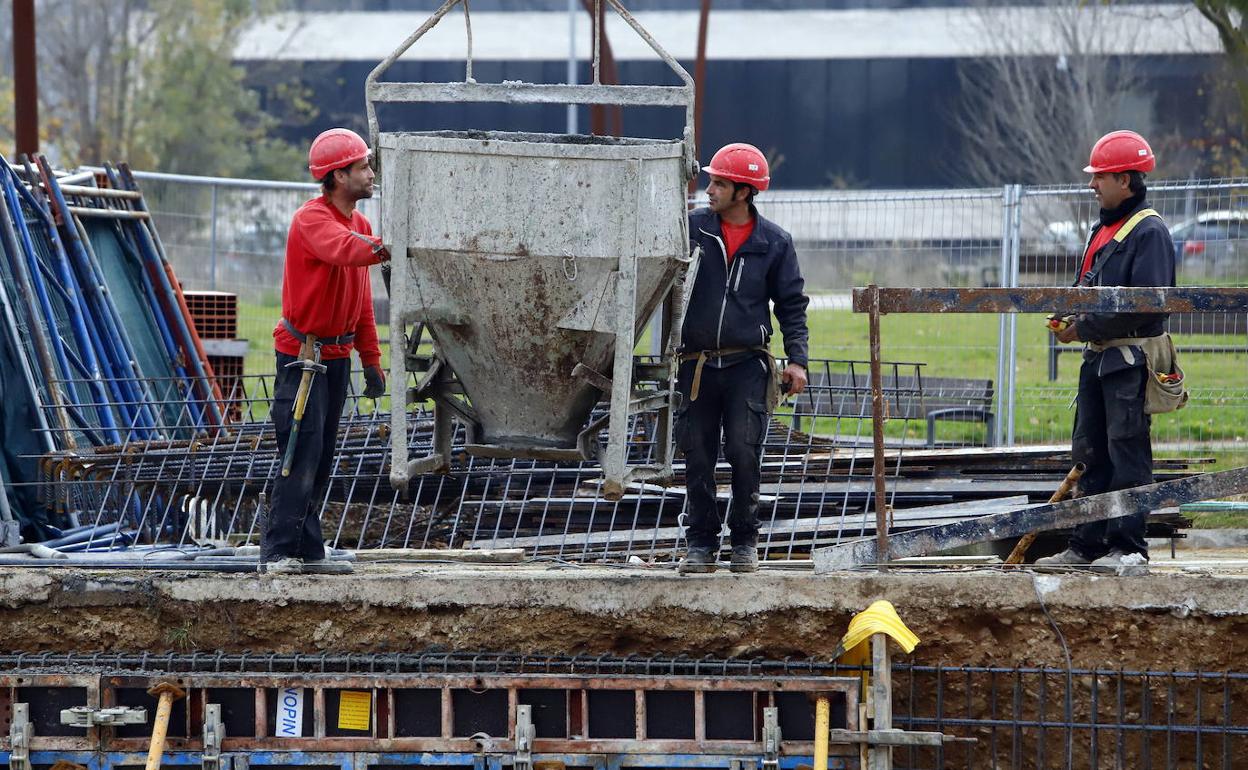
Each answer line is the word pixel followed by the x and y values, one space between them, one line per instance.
pixel 1070 513
pixel 529 93
pixel 1048 299
pixel 25 78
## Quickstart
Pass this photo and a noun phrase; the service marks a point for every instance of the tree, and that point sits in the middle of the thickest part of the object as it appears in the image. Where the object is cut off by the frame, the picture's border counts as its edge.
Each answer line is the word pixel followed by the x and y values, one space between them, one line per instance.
pixel 1230 18
pixel 1026 116
pixel 1223 147
pixel 153 82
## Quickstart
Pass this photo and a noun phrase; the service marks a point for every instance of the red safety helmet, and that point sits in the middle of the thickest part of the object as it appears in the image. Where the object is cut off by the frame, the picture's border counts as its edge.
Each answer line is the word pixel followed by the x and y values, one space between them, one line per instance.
pixel 334 149
pixel 1120 151
pixel 740 162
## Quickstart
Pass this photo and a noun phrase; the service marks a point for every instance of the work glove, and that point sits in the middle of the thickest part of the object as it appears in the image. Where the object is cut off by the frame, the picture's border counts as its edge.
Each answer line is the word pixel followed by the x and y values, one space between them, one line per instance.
pixel 374 382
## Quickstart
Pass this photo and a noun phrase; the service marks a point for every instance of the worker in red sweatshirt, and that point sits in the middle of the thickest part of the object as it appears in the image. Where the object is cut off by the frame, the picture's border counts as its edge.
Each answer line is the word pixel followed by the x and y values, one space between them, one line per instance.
pixel 326 294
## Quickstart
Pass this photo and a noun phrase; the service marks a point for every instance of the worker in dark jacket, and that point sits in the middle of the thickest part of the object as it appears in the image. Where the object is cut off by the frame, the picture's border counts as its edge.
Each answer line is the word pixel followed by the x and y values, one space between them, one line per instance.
pixel 727 374
pixel 1129 246
pixel 326 294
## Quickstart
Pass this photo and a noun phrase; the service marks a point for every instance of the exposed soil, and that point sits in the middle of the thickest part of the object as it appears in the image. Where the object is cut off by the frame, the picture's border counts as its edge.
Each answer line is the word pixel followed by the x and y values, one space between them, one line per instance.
pixel 149 621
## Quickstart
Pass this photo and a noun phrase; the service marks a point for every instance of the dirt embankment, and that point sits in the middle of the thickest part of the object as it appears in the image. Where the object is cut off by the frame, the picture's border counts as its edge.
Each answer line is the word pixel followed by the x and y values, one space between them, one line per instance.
pixel 141 616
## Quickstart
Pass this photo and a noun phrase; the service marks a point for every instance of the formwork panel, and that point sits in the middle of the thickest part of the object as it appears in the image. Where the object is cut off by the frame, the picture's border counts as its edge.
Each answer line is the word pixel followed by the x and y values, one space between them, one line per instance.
pixel 452 712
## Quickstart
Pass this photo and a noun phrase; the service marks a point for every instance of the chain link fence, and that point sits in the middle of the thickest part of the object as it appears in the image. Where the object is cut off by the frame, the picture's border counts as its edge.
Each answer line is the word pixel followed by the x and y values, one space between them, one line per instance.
pixel 229 235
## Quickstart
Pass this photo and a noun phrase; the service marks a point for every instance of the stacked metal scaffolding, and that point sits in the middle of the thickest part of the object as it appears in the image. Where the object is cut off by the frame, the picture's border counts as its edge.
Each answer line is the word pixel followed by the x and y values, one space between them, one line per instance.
pixel 98 346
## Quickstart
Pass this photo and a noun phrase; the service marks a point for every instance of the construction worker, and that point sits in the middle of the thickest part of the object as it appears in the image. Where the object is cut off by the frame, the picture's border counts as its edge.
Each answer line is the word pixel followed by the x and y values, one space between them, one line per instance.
pixel 326 294
pixel 727 376
pixel 1130 245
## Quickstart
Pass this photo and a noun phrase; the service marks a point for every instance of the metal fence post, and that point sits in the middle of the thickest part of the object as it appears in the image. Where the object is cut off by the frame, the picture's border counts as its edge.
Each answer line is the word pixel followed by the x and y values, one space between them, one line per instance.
pixel 1011 279
pixel 212 239
pixel 1007 202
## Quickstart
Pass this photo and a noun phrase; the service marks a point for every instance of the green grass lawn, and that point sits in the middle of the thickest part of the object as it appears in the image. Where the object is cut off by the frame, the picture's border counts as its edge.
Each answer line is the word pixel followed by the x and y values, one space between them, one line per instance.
pixel 965 345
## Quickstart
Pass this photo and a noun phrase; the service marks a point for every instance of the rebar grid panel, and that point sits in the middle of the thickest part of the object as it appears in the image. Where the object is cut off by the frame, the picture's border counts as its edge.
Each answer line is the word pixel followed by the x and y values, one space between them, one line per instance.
pixel 1059 718
pixel 448 704
pixel 426 662
pixel 816 485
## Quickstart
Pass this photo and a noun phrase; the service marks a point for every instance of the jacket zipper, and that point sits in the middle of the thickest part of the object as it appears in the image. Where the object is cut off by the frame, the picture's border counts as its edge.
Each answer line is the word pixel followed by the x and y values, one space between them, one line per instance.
pixel 762 334
pixel 719 329
pixel 740 269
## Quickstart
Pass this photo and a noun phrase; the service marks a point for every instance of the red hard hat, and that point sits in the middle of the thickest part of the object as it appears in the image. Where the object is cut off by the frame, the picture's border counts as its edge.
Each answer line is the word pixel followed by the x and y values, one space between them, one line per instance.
pixel 334 149
pixel 741 163
pixel 1120 151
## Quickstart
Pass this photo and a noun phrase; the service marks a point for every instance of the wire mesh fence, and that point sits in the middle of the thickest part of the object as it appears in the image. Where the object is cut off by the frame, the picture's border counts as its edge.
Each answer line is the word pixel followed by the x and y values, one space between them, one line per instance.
pixel 230 235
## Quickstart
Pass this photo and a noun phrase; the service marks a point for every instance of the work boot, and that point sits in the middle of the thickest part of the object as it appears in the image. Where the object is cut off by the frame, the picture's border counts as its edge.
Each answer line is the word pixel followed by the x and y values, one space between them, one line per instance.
pixel 1117 562
pixel 744 558
pixel 1068 558
pixel 288 566
pixel 327 567
pixel 697 561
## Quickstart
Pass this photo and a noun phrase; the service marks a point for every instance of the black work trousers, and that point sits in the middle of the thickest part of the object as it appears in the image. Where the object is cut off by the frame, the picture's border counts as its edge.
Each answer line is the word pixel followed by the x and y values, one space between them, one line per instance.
pixel 293 527
pixel 1111 437
pixel 731 401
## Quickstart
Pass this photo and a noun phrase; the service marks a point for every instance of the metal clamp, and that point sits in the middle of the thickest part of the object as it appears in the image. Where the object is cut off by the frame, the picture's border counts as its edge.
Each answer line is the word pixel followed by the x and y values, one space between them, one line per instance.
pixel 85 716
pixel 20 734
pixel 214 734
pixel 525 733
pixel 771 738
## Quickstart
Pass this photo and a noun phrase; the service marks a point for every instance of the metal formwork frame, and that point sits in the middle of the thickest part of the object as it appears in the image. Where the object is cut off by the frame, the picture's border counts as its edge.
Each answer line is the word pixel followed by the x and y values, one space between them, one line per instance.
pixel 452 700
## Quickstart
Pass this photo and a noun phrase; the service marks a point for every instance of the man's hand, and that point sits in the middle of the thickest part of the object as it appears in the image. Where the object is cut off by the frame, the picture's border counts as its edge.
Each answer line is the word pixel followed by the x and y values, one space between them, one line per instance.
pixel 1069 334
pixel 795 376
pixel 383 253
pixel 374 382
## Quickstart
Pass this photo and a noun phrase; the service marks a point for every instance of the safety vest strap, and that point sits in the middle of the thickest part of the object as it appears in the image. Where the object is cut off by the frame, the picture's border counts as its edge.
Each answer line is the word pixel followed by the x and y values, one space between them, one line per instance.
pixel 1130 224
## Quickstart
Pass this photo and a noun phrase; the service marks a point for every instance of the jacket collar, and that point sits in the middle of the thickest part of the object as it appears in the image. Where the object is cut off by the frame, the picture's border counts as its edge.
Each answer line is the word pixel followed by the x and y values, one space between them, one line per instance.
pixel 757 242
pixel 1124 209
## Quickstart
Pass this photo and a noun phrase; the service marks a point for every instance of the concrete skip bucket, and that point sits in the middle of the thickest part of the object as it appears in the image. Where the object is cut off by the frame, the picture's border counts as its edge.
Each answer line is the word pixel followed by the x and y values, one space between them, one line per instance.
pixel 533 261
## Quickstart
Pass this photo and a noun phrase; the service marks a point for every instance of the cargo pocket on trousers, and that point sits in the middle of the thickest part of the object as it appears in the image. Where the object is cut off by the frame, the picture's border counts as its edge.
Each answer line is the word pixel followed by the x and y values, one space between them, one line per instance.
pixel 755 422
pixel 1124 404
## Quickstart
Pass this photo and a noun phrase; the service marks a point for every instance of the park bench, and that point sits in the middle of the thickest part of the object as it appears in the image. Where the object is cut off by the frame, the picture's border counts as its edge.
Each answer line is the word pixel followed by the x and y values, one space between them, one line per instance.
pixel 1180 324
pixel 907 396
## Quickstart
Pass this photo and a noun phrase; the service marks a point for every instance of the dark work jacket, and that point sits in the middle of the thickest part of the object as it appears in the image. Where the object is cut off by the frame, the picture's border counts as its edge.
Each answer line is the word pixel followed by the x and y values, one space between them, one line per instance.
pixel 729 305
pixel 1144 258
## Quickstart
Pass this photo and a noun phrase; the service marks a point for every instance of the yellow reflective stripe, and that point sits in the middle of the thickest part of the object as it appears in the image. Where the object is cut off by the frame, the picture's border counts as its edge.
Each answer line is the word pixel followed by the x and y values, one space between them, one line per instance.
pixel 1139 216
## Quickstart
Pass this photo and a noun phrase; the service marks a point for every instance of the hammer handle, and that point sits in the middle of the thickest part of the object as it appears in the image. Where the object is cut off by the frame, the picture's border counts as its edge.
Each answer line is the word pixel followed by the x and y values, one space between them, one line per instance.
pixel 159 730
pixel 307 352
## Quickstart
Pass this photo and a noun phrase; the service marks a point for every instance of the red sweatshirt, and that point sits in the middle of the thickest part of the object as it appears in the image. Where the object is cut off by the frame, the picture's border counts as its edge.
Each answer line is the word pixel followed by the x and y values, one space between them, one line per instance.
pixel 325 289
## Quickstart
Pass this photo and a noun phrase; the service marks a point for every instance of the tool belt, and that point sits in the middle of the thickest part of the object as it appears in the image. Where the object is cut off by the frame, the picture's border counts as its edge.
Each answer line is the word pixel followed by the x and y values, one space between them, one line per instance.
pixel 341 339
pixel 773 373
pixel 1166 390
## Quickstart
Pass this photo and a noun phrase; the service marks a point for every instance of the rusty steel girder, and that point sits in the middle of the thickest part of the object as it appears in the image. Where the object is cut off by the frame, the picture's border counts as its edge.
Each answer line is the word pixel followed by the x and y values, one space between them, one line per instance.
pixel 1047 299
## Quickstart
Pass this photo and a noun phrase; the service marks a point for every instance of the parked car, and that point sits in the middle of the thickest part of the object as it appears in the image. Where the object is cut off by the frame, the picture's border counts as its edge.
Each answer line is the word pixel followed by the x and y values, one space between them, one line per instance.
pixel 1212 245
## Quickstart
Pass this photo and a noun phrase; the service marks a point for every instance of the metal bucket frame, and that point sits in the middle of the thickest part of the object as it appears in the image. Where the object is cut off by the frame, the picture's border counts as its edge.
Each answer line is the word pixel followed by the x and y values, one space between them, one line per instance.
pixel 439 382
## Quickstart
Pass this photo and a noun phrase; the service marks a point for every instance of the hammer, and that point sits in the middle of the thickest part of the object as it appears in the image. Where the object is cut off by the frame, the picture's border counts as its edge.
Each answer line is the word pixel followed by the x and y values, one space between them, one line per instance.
pixel 310 362
pixel 168 693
